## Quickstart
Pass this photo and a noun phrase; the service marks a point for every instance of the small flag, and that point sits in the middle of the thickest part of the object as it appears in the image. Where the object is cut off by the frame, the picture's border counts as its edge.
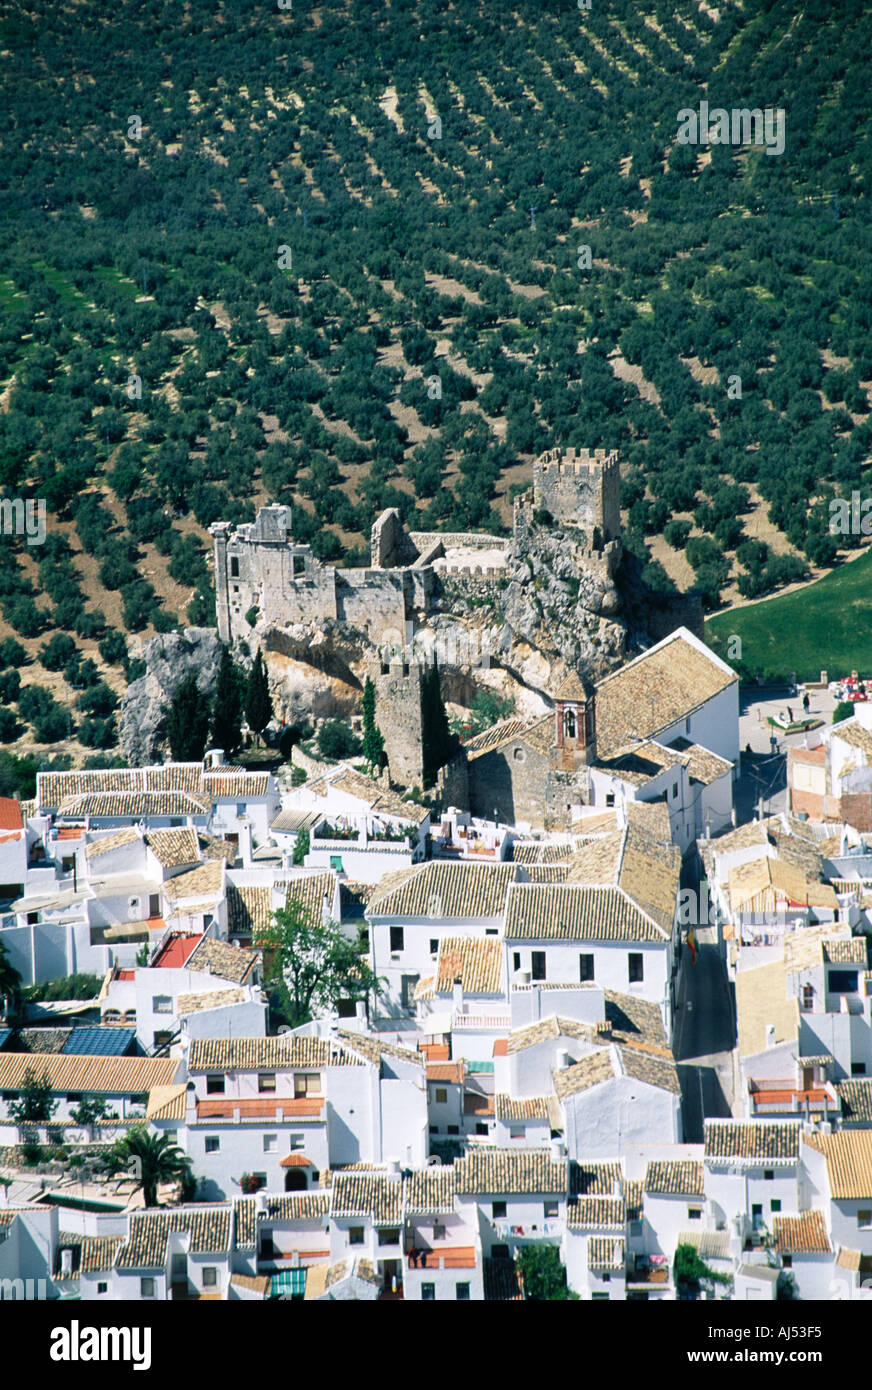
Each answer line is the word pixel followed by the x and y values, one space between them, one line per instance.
pixel 691 944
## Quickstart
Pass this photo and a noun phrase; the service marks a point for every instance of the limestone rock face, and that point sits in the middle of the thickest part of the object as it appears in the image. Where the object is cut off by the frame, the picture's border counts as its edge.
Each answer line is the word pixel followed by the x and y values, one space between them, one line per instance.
pixel 169 659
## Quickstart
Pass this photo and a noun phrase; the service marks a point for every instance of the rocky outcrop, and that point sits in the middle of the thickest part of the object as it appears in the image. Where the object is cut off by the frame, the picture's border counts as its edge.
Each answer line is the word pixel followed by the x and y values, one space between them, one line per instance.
pixel 169 659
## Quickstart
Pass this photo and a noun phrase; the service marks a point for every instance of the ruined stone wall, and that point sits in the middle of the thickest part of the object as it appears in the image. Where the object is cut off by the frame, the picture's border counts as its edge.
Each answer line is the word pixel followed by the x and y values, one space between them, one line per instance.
pixel 512 780
pixel 398 716
pixel 375 602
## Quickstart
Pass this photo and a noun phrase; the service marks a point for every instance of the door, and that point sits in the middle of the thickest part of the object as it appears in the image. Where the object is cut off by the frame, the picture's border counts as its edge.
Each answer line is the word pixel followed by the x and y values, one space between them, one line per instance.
pixel 407 993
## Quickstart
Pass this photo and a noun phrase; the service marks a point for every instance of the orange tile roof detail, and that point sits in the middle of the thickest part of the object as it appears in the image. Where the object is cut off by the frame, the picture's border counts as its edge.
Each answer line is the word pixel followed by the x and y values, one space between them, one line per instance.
pixel 295 1161
pixel 126 975
pixel 71 832
pixel 176 952
pixel 10 814
pixel 501 1047
pixel 9 839
pixel 474 1104
pixel 435 1052
pixel 446 1071
pixel 252 1109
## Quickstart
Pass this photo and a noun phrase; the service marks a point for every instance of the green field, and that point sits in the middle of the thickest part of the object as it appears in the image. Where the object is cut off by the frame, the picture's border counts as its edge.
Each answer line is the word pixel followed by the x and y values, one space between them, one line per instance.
pixel 823 626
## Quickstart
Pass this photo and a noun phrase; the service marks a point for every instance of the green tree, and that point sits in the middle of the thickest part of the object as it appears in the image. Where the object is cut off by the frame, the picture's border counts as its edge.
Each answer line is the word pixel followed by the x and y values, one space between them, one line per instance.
pixel 373 740
pixel 227 705
pixel 435 733
pixel 844 710
pixel 91 1109
pixel 543 1274
pixel 690 1272
pixel 337 740
pixel 302 844
pixel 258 705
pixel 149 1159
pixel 36 1103
pixel 187 722
pixel 310 965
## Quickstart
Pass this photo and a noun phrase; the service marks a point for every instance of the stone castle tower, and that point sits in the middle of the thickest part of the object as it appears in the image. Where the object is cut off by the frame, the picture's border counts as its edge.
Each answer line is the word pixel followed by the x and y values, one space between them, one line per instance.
pixel 581 488
pixel 399 715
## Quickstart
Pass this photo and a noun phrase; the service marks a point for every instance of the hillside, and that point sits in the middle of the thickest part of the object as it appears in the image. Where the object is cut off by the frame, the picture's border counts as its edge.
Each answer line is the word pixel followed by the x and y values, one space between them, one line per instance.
pixel 358 255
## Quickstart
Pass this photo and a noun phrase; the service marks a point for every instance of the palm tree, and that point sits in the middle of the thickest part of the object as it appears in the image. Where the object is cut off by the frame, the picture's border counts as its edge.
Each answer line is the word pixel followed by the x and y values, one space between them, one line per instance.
pixel 149 1159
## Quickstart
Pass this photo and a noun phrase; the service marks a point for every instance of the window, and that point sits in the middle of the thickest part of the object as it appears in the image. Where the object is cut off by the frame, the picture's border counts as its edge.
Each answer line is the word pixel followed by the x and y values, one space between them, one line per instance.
pixel 389 1237
pixel 266 1081
pixel 610 798
pixel 775 1204
pixel 210 1276
pixel 462 1293
pixel 240 808
pixel 537 960
pixel 498 1210
pixel 786 1261
pixel 214 1085
pixel 434 1129
pixel 517 1131
pixel 687 725
pixel 481 1129
pixel 213 1144
pixel 269 1143
pixel 757 1213
pixel 491 931
pixel 73 1098
pixel 428 1293
pixel 146 1288
pixel 636 967
pixel 516 960
pixel 499 1252
pixel 585 967
pixel 694 1213
pixel 518 754
pixel 452 1129
pixel 842 982
pixel 355 1235
pixel 162 1004
pixel 769 1174
pixel 396 938
pixel 297 1141
pixel 606 1278
pixel 234 566
pixel 858 1068
pixel 864 1218
pixel 102 1288
pixel 601 1297
pixel 307 1084
pixel 674 790
pixel 434 945
pixel 441 1095
pixel 551 1209
pixel 261 1178
pixel 162 1037
pixel 438 1231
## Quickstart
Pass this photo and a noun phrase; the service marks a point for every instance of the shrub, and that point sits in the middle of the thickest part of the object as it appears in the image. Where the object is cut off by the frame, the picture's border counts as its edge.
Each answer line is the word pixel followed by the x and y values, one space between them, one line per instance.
pixel 91 625
pixel 251 616
pixel 12 653
pixel 57 652
pixel 98 699
pixel 113 648
pixel 844 710
pixel 337 740
pixel 98 733
pixel 10 685
pixel 10 727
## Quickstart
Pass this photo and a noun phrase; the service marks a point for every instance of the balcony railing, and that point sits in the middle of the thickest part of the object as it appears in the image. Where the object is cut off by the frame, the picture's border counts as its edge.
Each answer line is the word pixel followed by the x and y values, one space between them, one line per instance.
pixel 550 1228
pixel 779 1097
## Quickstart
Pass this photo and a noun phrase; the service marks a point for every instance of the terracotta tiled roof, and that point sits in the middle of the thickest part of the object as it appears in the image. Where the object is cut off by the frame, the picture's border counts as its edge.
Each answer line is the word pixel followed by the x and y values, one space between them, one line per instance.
pixel 452 1072
pixel 107 1075
pixel 653 692
pixel 152 803
pixel 202 882
pixel 272 1054
pixel 290 1206
pixel 801 1235
pixel 295 1160
pixel 531 1108
pixel 703 765
pixel 257 1283
pixel 209 999
pixel 263 1107
pixel 678 1178
pixel 848 1156
pixel 238 786
pixel 605 1253
pixel 652 1070
pixel 582 1075
pixel 595 1179
pixel 597 1213
pixel 548 1030
pixel 149 1231
pixel 496 737
pixel 98 1253
pixel 571 912
pixel 374 1048
pixel 107 843
pixel 639 763
pixel 476 960
pixel 430 1190
pixel 374 1195
pixel 851 951
pixel 166 1102
pixel 774 1140
pixel 53 788
pixel 440 889
pixel 486 1171
pixel 227 962
pixel 856 1098
pixel 174 848
pixel 11 813
pixel 310 891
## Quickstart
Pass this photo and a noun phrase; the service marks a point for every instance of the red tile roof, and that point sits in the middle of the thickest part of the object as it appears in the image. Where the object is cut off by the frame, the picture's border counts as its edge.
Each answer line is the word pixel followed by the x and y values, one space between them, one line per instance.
pixel 176 952
pixel 501 1047
pixel 450 1257
pixel 10 814
pixel 71 832
pixel 295 1161
pixel 446 1071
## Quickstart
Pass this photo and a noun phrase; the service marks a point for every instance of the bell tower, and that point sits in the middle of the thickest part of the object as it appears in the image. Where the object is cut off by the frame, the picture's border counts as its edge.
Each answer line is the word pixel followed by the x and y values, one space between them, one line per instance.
pixel 574 723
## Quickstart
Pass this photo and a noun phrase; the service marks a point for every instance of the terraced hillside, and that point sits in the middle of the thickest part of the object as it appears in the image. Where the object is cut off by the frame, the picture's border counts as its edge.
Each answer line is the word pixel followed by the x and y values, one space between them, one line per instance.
pixel 364 254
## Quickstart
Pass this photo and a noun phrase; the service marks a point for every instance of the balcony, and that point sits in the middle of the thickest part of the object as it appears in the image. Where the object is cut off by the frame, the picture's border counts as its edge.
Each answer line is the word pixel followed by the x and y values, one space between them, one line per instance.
pixel 265 1108
pixel 650 1273
pixel 442 1257
pixel 549 1229
pixel 781 1098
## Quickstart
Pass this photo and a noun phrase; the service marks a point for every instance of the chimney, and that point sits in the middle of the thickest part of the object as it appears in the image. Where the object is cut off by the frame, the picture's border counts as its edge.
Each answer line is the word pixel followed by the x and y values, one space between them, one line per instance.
pixel 360 1011
pixel 524 977
pixel 558 1150
pixel 260 1202
pixel 245 843
pixel 66 1264
pixel 564 1060
pixel 393 1167
pixel 457 995
pixel 215 757
pixel 770 1035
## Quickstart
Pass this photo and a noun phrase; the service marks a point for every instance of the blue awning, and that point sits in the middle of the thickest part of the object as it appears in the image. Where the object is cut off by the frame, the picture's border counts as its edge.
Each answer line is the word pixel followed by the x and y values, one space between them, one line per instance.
pixel 289 1283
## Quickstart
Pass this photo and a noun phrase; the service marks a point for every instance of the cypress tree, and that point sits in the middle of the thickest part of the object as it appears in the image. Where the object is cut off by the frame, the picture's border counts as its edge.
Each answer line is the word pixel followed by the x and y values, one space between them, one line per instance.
pixel 435 733
pixel 373 741
pixel 187 723
pixel 227 705
pixel 258 705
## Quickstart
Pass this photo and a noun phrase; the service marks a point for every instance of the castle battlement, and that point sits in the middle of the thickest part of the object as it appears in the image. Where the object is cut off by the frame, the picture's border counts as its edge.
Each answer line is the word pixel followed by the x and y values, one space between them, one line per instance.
pixel 577 460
